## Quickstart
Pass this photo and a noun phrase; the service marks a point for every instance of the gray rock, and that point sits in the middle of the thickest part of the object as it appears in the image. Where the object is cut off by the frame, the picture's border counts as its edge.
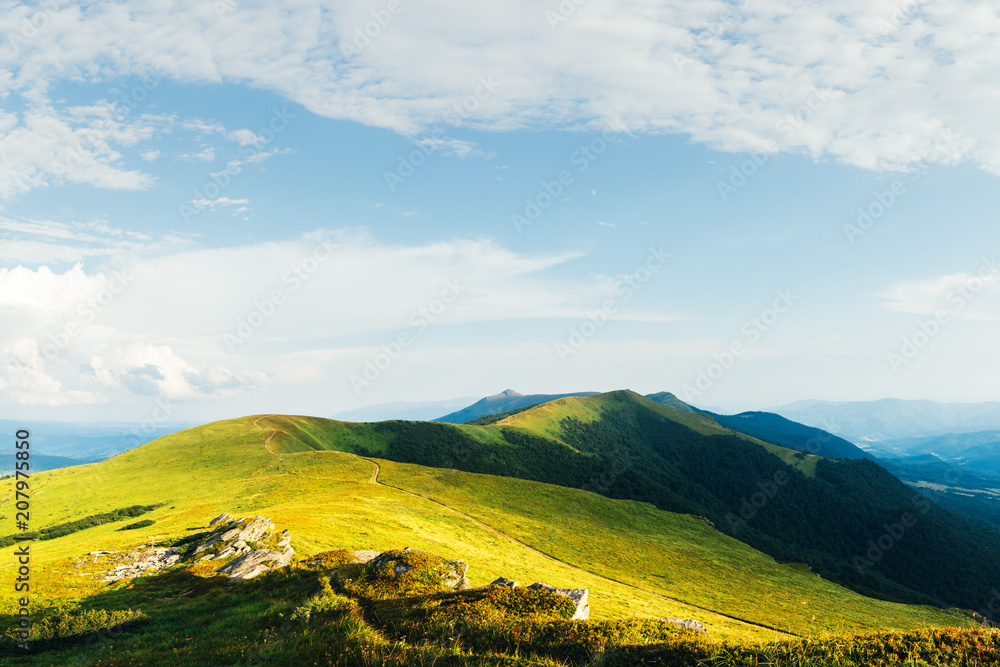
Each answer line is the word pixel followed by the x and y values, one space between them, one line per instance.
pixel 455 576
pixel 364 556
pixel 505 582
pixel 686 623
pixel 256 563
pixel 208 543
pixel 231 540
pixel 577 595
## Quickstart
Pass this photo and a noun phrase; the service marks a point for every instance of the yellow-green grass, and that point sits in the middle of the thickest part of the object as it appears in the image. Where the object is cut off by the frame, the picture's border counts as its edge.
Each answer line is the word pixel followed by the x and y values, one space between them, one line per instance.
pixel 675 555
pixel 633 558
pixel 326 499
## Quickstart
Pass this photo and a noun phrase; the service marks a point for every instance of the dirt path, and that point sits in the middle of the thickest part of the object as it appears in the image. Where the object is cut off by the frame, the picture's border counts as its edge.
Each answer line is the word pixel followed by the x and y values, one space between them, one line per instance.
pixel 375 480
pixel 267 438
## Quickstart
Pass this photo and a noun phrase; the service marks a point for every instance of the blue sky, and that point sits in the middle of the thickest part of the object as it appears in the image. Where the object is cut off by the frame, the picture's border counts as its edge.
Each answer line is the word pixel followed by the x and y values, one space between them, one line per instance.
pixel 211 206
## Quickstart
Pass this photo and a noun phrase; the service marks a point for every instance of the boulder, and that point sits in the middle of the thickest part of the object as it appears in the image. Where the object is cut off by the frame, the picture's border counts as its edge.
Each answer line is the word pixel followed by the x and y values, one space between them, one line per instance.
pixel 256 563
pixel 364 556
pixel 233 539
pixel 577 595
pixel 503 581
pixel 686 623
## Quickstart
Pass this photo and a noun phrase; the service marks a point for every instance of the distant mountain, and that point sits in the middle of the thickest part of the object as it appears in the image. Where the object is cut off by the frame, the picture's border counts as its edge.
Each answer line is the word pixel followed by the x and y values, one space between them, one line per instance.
pixel 891 418
pixel 977 450
pixel 505 401
pixel 775 429
pixel 414 411
pixel 92 441
pixel 666 398
pixel 949 451
pixel 42 462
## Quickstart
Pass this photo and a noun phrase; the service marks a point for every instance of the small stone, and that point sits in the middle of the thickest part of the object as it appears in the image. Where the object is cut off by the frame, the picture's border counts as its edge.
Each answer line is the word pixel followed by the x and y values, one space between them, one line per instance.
pixel 686 623
pixel 504 581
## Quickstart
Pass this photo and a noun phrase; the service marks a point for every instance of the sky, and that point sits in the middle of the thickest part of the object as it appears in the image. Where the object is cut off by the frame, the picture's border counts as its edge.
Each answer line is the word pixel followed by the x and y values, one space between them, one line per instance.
pixel 218 208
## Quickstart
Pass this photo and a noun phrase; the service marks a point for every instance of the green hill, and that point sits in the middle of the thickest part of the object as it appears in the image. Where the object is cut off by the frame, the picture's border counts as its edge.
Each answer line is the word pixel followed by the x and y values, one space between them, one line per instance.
pixel 845 519
pixel 637 561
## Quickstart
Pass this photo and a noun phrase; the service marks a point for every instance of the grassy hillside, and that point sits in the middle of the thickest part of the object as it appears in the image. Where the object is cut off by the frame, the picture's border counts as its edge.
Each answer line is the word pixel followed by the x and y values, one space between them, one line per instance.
pixel 636 561
pixel 842 518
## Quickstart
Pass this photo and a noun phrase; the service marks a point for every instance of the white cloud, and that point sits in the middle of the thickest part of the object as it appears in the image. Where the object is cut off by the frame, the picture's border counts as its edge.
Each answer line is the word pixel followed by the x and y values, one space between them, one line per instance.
pixel 156 370
pixel 220 202
pixel 206 155
pixel 158 327
pixel 45 146
pixel 235 165
pixel 728 77
pixel 966 295
pixel 150 155
pixel 203 126
pixel 244 137
pixel 56 350
pixel 40 241
pixel 456 147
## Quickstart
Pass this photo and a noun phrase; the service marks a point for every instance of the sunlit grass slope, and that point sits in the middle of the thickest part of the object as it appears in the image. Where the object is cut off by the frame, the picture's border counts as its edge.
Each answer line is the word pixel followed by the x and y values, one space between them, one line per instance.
pixel 327 500
pixel 636 561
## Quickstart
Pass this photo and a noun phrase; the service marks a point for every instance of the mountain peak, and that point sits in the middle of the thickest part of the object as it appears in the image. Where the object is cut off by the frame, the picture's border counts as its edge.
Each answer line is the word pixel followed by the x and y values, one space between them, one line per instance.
pixel 506 393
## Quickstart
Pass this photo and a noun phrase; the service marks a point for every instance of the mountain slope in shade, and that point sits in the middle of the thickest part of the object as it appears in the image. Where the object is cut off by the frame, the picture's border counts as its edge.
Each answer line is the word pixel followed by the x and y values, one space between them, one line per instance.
pixel 505 401
pixel 775 429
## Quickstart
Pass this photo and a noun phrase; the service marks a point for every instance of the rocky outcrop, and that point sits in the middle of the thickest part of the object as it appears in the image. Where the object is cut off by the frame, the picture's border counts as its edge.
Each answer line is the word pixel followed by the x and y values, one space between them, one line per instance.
pixel 577 595
pixel 247 540
pixel 255 563
pixel 686 623
pixel 138 563
pixel 235 538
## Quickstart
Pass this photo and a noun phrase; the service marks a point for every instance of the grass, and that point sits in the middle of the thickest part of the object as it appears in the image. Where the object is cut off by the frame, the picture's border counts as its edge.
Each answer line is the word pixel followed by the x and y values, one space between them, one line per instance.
pixel 639 564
